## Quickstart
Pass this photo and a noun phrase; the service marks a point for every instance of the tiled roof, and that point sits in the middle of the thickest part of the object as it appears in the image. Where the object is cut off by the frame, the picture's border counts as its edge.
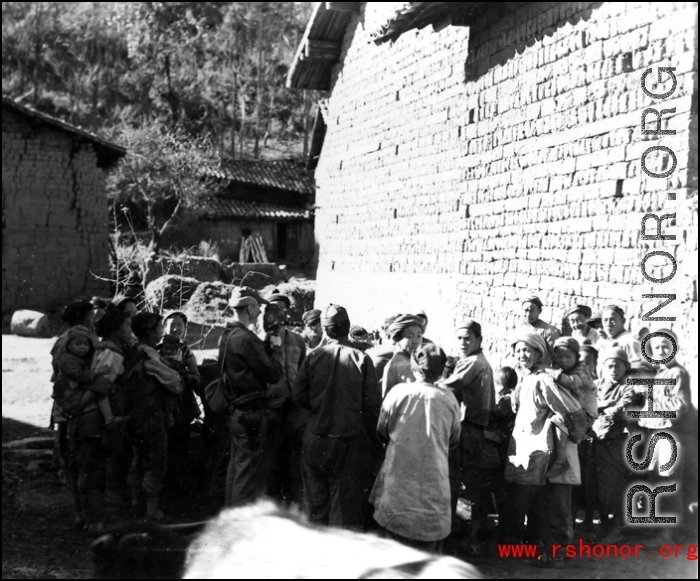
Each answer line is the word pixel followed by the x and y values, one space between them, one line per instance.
pixel 219 207
pixel 417 15
pixel 107 151
pixel 284 175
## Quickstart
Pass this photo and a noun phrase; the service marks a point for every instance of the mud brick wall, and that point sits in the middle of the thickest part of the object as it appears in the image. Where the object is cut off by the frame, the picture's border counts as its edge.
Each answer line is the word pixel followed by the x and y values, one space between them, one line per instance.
pixel 55 213
pixel 459 174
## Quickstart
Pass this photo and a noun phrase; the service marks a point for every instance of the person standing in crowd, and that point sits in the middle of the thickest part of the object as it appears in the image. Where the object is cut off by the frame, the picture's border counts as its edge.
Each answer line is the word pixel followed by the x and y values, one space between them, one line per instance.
pixel 249 366
pixel 613 320
pixel 675 397
pixel 382 353
pixel 151 387
pixel 420 422
pixel 286 481
pixel 535 401
pixel 578 317
pixel 114 329
pixel 472 383
pixel 407 333
pixel 605 473
pixel 422 315
pixel 338 385
pixel 186 406
pixel 313 331
pixel 532 309
pixel 80 314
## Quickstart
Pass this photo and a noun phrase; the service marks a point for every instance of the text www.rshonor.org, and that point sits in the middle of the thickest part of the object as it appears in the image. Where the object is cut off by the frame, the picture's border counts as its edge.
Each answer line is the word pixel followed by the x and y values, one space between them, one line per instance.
pixel 583 550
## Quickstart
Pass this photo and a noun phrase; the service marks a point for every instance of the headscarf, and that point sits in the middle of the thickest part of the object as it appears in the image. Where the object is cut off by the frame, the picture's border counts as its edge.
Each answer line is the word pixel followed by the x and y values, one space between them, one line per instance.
pixel 534 340
pixel 401 323
pixel 579 309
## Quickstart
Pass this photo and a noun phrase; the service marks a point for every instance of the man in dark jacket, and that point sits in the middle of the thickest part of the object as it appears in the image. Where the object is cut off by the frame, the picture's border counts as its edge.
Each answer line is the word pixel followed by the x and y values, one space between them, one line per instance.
pixel 338 385
pixel 249 366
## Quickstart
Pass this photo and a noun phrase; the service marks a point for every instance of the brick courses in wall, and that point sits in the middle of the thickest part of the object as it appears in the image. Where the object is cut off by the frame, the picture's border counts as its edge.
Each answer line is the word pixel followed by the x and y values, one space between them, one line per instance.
pixel 460 173
pixel 55 216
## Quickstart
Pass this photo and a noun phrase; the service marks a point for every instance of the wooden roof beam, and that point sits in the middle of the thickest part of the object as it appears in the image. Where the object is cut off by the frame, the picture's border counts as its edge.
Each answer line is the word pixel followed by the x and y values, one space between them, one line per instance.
pixel 344 6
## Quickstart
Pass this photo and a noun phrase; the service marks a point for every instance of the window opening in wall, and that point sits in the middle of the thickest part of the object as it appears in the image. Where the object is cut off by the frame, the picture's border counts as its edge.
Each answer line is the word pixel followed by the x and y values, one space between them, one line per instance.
pixel 627 65
pixel 337 219
pixel 618 189
pixel 459 131
pixel 466 212
pixel 391 268
pixel 472 115
pixel 396 213
pixel 397 95
pixel 457 206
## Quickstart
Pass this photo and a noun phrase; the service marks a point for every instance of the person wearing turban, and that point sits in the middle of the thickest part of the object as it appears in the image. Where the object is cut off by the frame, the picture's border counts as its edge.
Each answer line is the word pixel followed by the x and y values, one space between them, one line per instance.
pixel 406 332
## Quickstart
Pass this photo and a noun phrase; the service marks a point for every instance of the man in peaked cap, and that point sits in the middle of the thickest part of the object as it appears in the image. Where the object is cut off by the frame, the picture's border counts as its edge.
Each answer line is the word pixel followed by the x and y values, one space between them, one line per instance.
pixel 532 309
pixel 338 385
pixel 249 366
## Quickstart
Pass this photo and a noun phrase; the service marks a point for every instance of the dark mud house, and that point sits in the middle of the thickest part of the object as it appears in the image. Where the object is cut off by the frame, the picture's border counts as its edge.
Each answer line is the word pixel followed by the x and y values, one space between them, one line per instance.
pixel 271 201
pixel 55 233
pixel 476 152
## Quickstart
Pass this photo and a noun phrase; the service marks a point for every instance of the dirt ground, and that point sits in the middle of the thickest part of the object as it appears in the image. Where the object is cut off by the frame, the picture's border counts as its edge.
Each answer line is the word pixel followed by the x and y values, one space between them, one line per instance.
pixel 39 542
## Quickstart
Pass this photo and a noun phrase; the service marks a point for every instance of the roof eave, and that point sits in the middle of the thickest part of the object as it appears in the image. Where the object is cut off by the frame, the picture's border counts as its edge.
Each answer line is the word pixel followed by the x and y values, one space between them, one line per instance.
pixel 108 153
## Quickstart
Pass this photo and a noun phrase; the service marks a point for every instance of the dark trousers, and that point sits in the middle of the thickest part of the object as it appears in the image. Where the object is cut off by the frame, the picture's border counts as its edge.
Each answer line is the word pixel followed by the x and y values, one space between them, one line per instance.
pixel 85 466
pixel 217 445
pixel 254 442
pixel 333 481
pixel 149 463
pixel 560 530
pixel 526 500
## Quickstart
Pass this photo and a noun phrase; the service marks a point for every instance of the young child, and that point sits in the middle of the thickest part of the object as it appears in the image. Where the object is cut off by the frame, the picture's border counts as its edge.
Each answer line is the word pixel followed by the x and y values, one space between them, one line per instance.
pixel 572 374
pixel 589 357
pixel 71 387
pixel 607 472
pixel 169 350
pixel 505 380
pixel 684 429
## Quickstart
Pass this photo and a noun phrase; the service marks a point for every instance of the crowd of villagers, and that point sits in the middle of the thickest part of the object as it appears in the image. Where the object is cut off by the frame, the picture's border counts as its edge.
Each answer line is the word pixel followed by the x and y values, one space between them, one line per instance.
pixel 380 433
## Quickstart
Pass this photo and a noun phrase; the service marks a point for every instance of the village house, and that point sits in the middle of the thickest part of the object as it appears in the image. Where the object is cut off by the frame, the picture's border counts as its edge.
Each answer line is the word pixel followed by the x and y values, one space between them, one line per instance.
pixel 55 233
pixel 475 152
pixel 271 202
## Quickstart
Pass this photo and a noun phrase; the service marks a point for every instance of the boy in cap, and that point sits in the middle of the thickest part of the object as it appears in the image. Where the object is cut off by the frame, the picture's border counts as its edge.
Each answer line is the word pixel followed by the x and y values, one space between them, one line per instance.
pixel 249 366
pixel 607 472
pixel 420 422
pixel 532 309
pixel 338 385
pixel 472 383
